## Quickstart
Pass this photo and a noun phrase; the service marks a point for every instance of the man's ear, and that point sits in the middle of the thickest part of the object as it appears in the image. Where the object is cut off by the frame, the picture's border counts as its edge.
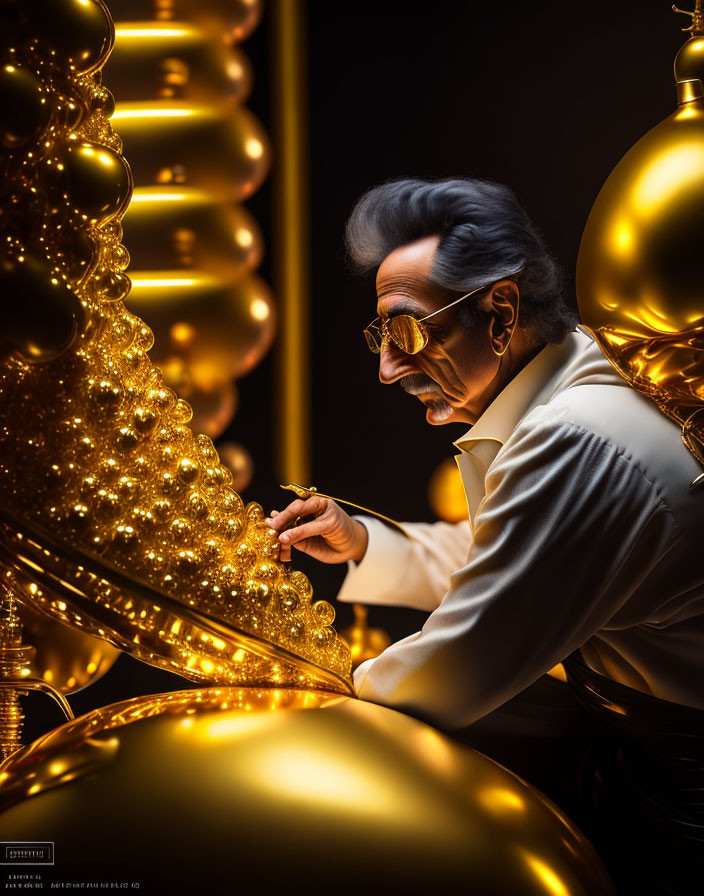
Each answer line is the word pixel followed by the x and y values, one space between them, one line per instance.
pixel 503 303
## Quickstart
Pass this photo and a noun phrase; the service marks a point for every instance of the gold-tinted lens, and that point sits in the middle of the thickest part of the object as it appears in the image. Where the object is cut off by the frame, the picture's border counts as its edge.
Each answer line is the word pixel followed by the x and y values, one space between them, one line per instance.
pixel 372 341
pixel 408 333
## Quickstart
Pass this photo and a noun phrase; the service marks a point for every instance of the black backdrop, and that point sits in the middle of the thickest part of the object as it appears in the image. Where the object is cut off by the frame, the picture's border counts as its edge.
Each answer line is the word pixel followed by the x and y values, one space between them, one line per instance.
pixel 543 96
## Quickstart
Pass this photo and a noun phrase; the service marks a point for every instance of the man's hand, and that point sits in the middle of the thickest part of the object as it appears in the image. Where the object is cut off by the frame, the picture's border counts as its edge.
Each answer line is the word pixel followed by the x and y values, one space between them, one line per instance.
pixel 324 531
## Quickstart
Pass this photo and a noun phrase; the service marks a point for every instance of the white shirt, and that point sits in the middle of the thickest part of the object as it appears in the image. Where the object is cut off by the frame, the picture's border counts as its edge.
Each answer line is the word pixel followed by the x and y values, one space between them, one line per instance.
pixel 583 533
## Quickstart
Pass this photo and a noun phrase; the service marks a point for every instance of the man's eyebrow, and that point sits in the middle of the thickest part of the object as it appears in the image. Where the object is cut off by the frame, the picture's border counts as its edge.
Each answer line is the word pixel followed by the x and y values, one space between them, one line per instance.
pixel 402 307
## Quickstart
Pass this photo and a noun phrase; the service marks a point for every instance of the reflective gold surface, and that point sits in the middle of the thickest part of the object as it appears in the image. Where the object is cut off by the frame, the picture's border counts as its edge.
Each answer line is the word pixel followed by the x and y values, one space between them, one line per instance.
pixel 177 227
pixel 239 461
pixel 291 237
pixel 230 21
pixel 639 272
pixel 166 139
pixel 63 656
pixel 174 59
pixel 213 410
pixel 221 326
pixel 365 643
pixel 446 493
pixel 284 788
pixel 123 516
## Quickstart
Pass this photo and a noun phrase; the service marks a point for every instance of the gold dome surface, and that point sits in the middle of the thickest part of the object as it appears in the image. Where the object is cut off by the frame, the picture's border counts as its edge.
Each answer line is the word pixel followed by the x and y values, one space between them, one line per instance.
pixel 224 788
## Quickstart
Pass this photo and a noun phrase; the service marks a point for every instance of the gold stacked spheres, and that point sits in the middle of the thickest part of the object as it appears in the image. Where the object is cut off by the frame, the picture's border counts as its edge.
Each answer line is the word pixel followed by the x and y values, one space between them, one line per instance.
pixel 127 517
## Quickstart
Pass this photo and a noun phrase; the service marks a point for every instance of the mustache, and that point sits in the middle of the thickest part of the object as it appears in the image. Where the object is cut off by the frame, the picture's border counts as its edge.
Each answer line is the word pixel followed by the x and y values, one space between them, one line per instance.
pixel 417 383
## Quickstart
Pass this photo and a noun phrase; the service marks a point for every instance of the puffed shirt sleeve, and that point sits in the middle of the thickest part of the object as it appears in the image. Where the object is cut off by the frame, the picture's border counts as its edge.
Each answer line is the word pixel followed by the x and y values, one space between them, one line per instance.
pixel 567 529
pixel 411 571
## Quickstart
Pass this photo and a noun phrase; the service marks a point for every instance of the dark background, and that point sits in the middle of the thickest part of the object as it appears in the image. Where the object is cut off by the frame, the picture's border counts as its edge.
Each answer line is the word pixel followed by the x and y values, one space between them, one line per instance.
pixel 542 96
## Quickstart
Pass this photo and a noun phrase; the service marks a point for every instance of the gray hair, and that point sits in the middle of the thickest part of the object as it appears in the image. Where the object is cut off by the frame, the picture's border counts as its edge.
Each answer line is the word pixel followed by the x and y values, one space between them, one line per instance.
pixel 485 236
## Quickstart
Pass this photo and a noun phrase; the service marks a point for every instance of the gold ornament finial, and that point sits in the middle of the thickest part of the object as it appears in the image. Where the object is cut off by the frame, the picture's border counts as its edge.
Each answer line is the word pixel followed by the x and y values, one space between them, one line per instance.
pixel 639 272
pixel 697 25
pixel 365 643
pixel 15 674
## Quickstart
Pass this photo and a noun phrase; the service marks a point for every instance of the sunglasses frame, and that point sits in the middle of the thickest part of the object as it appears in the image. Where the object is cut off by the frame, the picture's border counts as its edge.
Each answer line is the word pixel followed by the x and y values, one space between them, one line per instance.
pixel 386 335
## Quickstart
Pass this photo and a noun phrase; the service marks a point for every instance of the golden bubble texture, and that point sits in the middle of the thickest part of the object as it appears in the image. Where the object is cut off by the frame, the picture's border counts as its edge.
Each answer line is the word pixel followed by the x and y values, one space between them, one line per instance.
pixel 105 491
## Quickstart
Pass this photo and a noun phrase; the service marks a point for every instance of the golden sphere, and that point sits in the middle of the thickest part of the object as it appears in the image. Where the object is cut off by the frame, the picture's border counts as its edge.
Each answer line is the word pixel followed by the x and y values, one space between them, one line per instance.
pixel 77 34
pixel 95 181
pixel 640 260
pixel 203 790
pixel 213 411
pixel 181 61
pixel 238 155
pixel 689 62
pixel 639 283
pixel 42 315
pixel 231 20
pixel 232 320
pixel 25 108
pixel 446 492
pixel 239 461
pixel 169 227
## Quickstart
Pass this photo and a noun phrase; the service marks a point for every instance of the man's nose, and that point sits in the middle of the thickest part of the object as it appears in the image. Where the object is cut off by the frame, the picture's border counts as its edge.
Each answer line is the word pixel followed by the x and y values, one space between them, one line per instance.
pixel 391 362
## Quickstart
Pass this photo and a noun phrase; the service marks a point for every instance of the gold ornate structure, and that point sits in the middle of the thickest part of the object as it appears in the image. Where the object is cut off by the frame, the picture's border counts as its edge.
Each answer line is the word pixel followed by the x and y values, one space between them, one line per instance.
pixel 123 517
pixel 16 675
pixel 639 280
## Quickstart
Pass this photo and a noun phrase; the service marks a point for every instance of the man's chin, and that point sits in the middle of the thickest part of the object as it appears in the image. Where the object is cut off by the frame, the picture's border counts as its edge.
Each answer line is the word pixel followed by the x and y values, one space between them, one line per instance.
pixel 439 414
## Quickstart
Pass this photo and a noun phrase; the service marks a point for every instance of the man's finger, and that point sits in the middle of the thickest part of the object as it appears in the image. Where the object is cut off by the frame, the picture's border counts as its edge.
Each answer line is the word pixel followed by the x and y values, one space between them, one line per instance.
pixel 309 507
pixel 299 533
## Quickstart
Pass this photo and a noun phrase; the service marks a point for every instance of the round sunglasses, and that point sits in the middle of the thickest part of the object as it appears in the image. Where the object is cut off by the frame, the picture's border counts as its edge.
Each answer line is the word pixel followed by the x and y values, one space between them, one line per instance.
pixel 408 333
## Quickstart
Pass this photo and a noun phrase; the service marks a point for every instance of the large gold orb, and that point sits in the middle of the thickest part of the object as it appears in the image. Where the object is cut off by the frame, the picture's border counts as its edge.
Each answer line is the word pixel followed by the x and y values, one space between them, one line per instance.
pixel 640 261
pixel 639 271
pixel 211 791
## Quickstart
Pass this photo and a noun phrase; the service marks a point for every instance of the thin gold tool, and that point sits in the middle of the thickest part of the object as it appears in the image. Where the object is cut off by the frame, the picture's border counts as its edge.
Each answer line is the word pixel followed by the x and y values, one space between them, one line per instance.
pixel 301 491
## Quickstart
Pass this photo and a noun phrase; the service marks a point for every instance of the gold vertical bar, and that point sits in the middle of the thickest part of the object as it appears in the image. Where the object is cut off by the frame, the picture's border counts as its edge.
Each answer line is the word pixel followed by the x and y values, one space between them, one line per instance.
pixel 291 242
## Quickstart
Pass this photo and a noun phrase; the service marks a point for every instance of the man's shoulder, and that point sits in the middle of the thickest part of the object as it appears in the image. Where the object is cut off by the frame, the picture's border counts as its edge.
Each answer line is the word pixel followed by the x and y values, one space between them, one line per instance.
pixel 616 414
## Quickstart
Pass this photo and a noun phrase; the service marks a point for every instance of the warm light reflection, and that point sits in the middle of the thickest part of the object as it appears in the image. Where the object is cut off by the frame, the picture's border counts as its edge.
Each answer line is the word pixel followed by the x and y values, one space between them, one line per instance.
pixel 676 166
pixel 254 148
pixel 156 196
pixel 244 237
pixel 127 111
pixel 232 726
pixel 259 309
pixel 558 672
pixel 304 772
pixel 499 800
pixel 623 237
pixel 150 282
pixel 546 875
pixel 127 31
pixel 651 317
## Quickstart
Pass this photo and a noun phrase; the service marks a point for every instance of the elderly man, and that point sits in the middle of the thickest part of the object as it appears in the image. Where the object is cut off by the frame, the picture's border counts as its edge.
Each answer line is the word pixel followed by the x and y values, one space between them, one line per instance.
pixel 583 531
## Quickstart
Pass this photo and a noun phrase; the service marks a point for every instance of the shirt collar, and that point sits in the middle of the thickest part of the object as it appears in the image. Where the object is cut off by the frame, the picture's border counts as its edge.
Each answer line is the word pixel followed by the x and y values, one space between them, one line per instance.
pixel 536 382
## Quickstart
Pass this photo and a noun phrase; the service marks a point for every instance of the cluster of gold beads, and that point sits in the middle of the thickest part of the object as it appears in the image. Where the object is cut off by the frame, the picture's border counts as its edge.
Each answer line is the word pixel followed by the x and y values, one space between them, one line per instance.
pixel 94 448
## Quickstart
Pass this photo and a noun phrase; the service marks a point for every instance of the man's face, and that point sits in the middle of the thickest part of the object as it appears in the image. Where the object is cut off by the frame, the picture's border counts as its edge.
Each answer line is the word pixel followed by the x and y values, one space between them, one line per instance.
pixel 455 375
